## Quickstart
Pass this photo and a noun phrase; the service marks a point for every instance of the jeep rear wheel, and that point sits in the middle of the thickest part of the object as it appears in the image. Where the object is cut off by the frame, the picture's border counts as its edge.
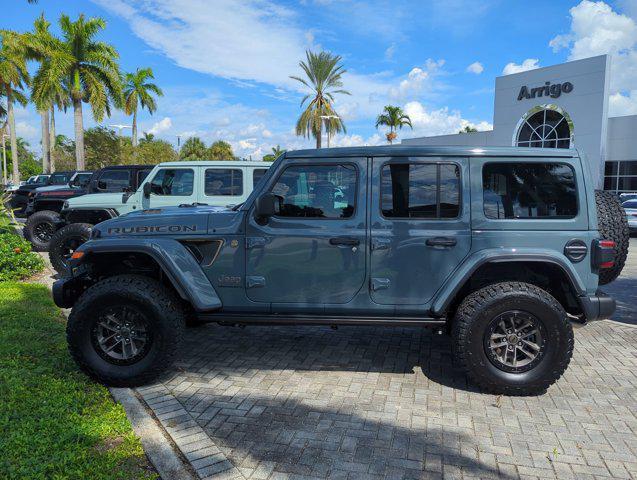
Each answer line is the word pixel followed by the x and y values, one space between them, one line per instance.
pixel 125 330
pixel 512 338
pixel 612 225
pixel 65 241
pixel 40 228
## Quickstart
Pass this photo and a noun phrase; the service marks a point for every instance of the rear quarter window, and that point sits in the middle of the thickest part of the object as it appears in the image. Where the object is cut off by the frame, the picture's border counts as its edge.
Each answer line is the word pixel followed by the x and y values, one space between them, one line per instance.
pixel 529 190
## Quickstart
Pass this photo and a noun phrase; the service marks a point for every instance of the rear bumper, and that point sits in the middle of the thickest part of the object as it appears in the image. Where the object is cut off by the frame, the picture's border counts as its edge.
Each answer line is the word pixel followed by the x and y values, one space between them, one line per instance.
pixel 598 306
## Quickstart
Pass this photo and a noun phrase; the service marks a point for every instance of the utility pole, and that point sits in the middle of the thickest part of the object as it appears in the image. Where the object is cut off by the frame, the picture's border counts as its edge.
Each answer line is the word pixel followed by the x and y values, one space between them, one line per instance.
pixel 327 126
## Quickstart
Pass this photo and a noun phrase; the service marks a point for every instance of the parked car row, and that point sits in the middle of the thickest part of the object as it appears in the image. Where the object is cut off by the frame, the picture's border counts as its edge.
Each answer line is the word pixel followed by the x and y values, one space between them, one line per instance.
pixel 62 208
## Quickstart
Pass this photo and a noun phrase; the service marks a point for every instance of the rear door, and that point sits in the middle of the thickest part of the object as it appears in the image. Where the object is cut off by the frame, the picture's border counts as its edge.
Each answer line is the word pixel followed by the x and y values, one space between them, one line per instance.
pixel 420 226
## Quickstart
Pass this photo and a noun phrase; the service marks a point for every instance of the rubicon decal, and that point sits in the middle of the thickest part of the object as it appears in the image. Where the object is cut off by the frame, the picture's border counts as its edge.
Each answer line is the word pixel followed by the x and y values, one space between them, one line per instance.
pixel 548 90
pixel 153 229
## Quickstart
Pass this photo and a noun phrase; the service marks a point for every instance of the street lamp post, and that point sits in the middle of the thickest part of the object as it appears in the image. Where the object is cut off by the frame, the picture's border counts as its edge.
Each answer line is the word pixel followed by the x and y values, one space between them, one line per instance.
pixel 120 128
pixel 328 117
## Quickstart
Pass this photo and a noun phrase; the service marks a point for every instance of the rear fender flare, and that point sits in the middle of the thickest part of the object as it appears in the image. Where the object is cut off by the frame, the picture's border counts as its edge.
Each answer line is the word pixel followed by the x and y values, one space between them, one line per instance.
pixel 472 263
pixel 181 268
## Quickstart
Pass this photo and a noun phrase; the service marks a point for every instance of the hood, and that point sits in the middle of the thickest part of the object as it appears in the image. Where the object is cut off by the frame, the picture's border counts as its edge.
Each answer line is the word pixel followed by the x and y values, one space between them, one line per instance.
pixel 101 200
pixel 171 221
pixel 52 188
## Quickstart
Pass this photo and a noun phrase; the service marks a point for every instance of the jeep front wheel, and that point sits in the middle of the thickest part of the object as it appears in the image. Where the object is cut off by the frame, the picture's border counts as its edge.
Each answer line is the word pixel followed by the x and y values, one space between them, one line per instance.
pixel 64 242
pixel 512 338
pixel 125 330
pixel 40 228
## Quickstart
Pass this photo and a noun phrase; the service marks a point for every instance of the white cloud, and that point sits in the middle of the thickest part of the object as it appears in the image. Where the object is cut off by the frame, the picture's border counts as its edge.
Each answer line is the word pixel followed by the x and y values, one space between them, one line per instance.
pixel 389 53
pixel 623 104
pixel 442 121
pixel 159 127
pixel 597 29
pixel 475 67
pixel 254 40
pixel 417 80
pixel 525 66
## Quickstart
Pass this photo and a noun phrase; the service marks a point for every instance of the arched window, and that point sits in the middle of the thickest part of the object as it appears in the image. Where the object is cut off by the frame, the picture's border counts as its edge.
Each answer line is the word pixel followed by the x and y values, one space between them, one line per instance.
pixel 545 127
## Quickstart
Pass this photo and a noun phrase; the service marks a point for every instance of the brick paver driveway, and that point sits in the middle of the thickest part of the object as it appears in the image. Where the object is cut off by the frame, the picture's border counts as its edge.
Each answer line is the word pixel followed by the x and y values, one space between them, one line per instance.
pixel 282 402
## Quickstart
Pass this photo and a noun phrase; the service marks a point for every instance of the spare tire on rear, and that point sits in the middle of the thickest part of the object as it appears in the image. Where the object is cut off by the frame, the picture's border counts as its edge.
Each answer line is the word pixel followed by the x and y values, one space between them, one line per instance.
pixel 65 241
pixel 612 225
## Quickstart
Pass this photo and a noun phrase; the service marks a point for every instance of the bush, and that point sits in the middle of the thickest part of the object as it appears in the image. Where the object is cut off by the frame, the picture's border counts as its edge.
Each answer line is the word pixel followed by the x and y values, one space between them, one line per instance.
pixel 17 261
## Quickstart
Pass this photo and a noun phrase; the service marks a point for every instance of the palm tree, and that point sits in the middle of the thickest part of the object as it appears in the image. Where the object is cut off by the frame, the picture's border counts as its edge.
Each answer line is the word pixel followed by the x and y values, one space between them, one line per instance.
pixel 193 149
pixel 41 45
pixel 13 76
pixel 220 150
pixel 394 118
pixel 137 91
pixel 147 137
pixel 276 153
pixel 90 71
pixel 324 80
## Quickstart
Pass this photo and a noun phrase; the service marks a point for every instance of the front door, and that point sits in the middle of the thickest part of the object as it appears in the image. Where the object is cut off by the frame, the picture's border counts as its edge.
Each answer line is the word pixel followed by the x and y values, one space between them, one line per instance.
pixel 313 252
pixel 171 186
pixel 420 226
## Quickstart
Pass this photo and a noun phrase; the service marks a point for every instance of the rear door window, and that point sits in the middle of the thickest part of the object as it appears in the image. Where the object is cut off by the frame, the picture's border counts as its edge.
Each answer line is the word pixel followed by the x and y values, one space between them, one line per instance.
pixel 223 182
pixel 420 190
pixel 257 175
pixel 113 180
pixel 529 190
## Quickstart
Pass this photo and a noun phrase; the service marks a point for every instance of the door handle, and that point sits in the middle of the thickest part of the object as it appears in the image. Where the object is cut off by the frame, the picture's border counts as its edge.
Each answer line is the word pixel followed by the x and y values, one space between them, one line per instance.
pixel 347 241
pixel 441 242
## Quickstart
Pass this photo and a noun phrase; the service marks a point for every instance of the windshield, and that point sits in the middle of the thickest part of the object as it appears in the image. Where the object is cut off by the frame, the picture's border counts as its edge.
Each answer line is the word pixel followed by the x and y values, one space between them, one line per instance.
pixel 59 179
pixel 41 179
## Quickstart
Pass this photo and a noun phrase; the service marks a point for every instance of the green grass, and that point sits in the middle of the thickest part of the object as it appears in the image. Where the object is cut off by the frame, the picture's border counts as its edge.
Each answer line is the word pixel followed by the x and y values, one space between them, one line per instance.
pixel 54 422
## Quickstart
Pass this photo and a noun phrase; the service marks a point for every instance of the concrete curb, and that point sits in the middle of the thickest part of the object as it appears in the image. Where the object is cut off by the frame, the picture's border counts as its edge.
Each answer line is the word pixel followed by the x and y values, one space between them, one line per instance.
pixel 157 447
pixel 158 444
pixel 193 442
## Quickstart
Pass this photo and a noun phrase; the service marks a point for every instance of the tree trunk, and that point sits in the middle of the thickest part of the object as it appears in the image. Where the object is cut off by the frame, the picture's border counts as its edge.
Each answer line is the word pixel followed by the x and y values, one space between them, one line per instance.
pixel 135 128
pixel 52 140
pixel 12 135
pixel 318 135
pixel 79 133
pixel 46 152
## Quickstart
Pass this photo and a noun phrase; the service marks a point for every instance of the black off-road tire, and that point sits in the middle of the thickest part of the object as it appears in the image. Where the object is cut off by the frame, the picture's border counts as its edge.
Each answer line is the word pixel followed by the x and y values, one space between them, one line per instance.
pixel 40 228
pixel 613 225
pixel 471 324
pixel 166 319
pixel 64 243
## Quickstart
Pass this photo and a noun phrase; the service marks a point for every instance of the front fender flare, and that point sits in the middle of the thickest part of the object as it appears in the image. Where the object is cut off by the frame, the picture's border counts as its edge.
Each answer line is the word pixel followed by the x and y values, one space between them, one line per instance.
pixel 173 258
pixel 498 255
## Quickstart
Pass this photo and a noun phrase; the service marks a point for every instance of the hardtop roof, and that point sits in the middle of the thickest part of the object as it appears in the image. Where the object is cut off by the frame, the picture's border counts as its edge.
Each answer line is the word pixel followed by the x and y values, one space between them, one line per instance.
pixel 415 151
pixel 217 163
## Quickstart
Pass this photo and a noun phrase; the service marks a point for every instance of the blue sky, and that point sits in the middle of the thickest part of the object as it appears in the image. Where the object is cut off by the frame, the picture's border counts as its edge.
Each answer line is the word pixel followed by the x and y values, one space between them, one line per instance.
pixel 224 65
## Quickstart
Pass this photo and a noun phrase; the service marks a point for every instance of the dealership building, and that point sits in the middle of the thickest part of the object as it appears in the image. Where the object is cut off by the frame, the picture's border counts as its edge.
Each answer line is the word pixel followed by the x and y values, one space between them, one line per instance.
pixel 561 106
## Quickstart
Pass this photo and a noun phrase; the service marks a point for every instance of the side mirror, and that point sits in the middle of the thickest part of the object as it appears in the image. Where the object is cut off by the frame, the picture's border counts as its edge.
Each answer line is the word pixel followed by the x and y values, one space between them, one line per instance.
pixel 266 206
pixel 101 185
pixel 126 195
pixel 147 189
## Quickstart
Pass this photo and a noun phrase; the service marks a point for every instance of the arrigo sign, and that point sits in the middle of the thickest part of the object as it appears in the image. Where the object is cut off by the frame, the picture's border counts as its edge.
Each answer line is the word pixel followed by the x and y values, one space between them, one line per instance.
pixel 548 90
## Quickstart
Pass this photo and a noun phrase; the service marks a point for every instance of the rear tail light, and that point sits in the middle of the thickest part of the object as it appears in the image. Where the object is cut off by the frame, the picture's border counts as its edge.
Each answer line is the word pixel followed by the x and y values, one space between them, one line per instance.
pixel 604 256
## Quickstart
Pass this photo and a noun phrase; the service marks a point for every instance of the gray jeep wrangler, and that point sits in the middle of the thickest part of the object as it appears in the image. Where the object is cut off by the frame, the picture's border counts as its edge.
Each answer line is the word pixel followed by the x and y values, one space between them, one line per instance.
pixel 500 247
